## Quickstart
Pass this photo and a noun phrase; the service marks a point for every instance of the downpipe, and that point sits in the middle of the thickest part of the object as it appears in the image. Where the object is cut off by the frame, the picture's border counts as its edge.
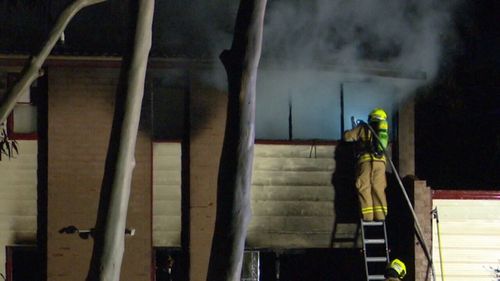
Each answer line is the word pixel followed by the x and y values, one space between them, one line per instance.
pixel 435 215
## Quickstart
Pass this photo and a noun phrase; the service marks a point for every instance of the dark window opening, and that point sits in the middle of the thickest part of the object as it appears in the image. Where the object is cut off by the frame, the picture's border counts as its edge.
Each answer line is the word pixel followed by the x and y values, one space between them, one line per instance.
pixel 22 263
pixel 170 264
pixel 304 264
pixel 312 265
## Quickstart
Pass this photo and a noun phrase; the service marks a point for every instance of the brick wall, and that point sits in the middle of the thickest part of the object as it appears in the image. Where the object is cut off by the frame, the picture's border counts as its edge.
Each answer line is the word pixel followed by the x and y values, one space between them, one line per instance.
pixel 80 110
pixel 423 207
pixel 208 117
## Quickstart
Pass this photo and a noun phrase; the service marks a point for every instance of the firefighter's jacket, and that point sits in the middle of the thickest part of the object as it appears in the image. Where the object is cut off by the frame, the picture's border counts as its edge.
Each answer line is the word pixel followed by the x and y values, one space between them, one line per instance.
pixel 365 143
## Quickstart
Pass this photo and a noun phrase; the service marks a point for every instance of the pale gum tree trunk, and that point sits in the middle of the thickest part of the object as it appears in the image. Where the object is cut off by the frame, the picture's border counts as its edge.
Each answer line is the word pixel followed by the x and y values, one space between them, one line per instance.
pixel 235 169
pixel 32 70
pixel 110 255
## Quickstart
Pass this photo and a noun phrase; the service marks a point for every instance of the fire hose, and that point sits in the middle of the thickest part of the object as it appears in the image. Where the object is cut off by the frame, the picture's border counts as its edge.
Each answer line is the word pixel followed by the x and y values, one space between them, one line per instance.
pixel 418 229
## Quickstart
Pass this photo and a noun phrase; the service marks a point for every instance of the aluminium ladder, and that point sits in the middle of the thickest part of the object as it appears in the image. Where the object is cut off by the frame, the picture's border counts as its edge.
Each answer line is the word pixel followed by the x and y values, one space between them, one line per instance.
pixel 375 249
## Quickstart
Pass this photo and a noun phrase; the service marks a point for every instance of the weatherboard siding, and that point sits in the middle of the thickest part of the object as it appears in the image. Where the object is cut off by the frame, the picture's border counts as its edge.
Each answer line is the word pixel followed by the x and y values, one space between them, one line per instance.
pixel 470 239
pixel 18 198
pixel 167 194
pixel 293 198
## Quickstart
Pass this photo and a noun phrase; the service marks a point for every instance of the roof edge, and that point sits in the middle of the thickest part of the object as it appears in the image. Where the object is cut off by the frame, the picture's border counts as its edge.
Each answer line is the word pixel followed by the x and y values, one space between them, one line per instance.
pixel 369 68
pixel 466 194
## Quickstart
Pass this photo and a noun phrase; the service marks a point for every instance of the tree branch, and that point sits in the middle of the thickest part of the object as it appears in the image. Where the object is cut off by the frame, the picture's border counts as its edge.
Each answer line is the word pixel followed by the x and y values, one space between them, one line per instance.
pixel 235 170
pixel 32 70
pixel 108 251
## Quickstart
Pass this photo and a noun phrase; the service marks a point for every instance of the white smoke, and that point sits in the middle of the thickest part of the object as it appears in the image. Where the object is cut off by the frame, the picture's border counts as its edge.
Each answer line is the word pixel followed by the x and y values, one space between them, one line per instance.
pixel 402 35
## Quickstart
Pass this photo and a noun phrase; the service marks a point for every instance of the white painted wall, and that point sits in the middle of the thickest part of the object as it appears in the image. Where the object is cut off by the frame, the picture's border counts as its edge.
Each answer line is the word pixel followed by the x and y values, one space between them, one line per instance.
pixel 470 239
pixel 18 198
pixel 167 194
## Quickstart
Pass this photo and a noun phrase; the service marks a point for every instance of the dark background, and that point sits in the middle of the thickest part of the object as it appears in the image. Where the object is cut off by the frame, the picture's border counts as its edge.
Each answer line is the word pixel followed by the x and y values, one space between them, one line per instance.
pixel 458 117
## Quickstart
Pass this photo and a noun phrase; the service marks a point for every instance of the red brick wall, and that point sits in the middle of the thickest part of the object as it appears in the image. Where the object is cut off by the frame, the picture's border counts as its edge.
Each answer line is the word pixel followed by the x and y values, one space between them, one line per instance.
pixel 80 110
pixel 423 207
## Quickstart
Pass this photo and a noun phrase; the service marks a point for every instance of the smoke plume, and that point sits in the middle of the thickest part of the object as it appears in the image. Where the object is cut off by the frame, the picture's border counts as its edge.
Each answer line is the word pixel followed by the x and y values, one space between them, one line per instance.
pixel 403 35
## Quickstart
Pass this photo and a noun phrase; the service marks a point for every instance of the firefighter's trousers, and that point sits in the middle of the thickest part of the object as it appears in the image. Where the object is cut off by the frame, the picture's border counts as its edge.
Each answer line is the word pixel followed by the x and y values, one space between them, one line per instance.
pixel 371 183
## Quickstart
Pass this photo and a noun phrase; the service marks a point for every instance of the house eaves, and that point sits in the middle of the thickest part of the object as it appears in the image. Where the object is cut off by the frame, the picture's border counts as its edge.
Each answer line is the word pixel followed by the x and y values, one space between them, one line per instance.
pixel 365 68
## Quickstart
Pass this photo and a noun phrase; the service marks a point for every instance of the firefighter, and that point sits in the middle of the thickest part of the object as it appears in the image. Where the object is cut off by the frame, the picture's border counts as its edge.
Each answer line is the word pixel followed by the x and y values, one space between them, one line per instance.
pixel 395 271
pixel 371 164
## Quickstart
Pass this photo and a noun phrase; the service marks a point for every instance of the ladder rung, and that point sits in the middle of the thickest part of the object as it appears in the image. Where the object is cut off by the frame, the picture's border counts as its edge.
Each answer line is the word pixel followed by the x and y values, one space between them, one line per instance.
pixel 376 259
pixel 374 241
pixel 376 277
pixel 372 223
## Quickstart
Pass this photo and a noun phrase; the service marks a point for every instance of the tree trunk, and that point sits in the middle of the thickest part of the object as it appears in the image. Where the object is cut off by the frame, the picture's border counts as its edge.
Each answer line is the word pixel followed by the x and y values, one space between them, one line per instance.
pixel 235 170
pixel 32 70
pixel 110 234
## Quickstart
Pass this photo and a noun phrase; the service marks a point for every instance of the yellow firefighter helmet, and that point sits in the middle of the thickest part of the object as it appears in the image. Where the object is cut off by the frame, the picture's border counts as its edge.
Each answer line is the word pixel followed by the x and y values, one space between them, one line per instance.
pixel 399 267
pixel 377 114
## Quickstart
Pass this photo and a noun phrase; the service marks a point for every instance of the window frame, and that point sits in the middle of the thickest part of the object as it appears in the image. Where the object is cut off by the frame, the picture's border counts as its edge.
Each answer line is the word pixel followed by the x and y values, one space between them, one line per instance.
pixel 11 79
